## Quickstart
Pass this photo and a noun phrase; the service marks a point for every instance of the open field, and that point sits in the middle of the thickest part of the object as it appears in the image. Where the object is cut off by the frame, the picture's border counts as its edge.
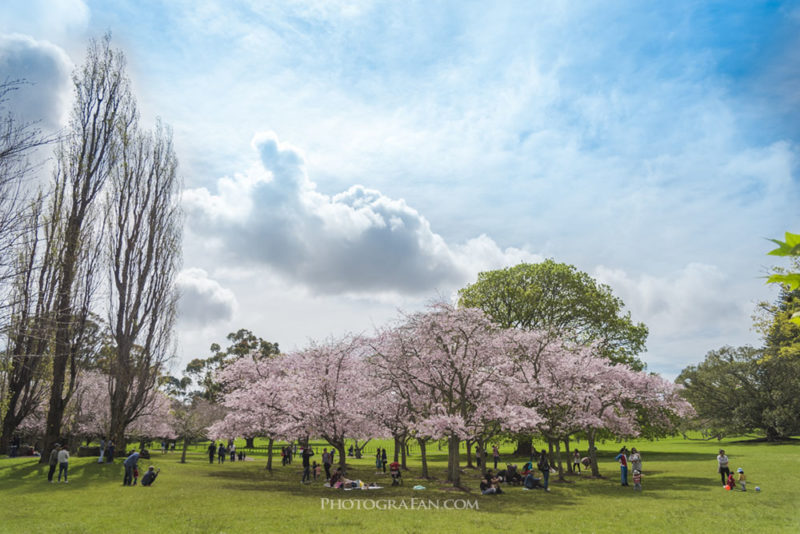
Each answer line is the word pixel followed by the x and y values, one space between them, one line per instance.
pixel 682 493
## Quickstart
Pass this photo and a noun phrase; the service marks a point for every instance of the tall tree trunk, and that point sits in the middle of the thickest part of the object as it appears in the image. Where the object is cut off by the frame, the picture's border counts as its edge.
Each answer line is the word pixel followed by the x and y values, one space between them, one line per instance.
pixel 269 454
pixel 339 446
pixel 469 453
pixel 396 449
pixel 249 443
pixel 558 457
pixel 569 458
pixel 524 445
pixel 593 455
pixel 423 454
pixel 453 468
pixel 185 448
pixel 483 456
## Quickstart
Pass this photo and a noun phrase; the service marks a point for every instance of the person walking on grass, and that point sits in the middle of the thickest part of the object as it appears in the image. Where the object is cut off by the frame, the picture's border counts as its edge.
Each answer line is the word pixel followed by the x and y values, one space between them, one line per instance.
pixel 102 449
pixel 383 460
pixel 221 453
pixel 63 463
pixel 722 466
pixel 495 456
pixel 212 451
pixel 622 457
pixel 53 461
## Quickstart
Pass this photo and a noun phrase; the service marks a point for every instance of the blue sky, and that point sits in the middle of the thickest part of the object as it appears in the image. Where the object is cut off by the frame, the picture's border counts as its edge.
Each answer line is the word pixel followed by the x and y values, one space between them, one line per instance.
pixel 345 158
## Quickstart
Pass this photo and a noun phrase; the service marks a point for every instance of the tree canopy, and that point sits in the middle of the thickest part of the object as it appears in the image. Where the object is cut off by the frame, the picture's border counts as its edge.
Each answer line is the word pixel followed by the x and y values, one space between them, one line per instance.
pixel 559 298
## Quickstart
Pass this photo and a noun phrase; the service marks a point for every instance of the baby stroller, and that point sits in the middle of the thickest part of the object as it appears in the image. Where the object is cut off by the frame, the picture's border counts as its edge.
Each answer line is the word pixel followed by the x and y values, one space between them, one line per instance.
pixel 397 476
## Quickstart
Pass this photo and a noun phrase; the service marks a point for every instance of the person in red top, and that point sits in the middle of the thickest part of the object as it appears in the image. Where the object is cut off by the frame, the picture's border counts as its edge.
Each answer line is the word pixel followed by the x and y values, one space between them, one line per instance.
pixel 623 465
pixel 394 470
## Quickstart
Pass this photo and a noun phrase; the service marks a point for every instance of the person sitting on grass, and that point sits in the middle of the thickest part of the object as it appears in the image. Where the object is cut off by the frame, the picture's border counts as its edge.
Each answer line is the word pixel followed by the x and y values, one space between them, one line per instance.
pixel 150 476
pixel 531 482
pixel 394 470
pixel 490 486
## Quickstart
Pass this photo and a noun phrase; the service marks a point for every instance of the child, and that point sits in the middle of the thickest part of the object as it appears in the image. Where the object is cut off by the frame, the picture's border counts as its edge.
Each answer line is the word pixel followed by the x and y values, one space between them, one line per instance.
pixel 135 475
pixel 742 479
pixel 731 481
pixel 637 480
pixel 315 469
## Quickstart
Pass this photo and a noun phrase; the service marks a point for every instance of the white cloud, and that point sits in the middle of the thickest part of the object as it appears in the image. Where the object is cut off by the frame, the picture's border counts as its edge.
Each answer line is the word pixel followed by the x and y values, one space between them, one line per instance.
pixel 357 241
pixel 203 301
pixel 54 20
pixel 45 69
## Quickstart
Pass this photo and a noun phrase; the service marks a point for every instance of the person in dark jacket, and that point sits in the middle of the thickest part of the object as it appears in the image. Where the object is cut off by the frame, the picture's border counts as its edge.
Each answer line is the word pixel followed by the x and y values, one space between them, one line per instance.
pixel 150 476
pixel 544 467
pixel 53 461
pixel 308 452
pixel 212 451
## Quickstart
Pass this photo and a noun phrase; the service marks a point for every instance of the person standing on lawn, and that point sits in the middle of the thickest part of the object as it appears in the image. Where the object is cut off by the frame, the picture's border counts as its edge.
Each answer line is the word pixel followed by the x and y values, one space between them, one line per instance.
pixel 130 464
pixel 307 453
pixel 212 451
pixel 623 465
pixel 635 460
pixel 102 449
pixel 495 456
pixel 544 467
pixel 383 459
pixel 53 461
pixel 63 463
pixel 722 466
pixel 326 463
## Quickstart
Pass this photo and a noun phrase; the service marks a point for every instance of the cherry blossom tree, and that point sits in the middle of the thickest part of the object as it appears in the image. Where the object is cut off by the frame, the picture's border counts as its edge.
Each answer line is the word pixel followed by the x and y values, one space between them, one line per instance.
pixel 450 365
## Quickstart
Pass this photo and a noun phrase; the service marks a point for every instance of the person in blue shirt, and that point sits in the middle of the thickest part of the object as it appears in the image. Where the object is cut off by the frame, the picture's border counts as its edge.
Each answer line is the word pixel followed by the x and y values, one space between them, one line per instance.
pixel 130 464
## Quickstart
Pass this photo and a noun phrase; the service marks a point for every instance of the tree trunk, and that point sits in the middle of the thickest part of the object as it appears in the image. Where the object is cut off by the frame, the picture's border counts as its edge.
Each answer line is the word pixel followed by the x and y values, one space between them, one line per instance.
pixel 569 460
pixel 396 448
pixel 269 454
pixel 339 446
pixel 453 469
pixel 469 454
pixel 524 446
pixel 422 451
pixel 403 453
pixel 249 443
pixel 185 448
pixel 593 455
pixel 558 457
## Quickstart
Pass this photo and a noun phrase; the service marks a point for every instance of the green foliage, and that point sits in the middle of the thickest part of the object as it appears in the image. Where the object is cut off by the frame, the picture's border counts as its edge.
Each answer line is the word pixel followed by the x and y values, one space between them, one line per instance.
pixel 789 248
pixel 738 390
pixel 559 298
pixel 243 344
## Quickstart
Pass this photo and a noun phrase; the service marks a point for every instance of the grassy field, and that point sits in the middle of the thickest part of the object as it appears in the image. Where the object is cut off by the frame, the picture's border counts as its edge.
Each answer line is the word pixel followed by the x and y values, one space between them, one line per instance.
pixel 682 493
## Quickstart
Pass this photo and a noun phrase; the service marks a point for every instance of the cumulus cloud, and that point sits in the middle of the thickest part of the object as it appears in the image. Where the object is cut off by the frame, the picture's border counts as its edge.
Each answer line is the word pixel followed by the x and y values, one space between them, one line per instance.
pixel 203 300
pixel 44 19
pixel 45 69
pixel 355 241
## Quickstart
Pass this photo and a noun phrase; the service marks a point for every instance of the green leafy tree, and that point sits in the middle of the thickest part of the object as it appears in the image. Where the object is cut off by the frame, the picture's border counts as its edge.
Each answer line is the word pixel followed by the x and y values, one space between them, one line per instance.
pixel 559 298
pixel 243 344
pixel 737 390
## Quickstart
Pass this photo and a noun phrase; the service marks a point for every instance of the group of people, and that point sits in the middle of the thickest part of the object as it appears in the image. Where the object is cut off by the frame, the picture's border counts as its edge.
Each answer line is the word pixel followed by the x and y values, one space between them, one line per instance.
pixel 222 451
pixel 381 460
pixel 635 460
pixel 728 480
pixel 59 457
pixel 131 477
pixel 106 450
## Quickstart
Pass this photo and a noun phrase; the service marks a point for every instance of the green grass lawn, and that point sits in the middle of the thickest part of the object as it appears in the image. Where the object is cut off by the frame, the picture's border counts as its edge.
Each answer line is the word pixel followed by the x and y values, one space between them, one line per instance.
pixel 682 493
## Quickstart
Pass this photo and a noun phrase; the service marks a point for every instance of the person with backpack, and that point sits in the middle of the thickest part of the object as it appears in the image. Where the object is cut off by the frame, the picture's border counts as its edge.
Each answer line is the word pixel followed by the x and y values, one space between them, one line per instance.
pixel 544 467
